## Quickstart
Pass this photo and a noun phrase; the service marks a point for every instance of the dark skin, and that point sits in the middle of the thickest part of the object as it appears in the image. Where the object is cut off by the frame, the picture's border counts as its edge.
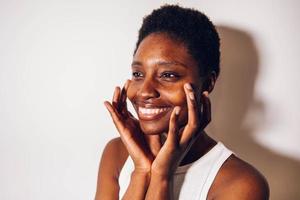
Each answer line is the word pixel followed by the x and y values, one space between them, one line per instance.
pixel 171 99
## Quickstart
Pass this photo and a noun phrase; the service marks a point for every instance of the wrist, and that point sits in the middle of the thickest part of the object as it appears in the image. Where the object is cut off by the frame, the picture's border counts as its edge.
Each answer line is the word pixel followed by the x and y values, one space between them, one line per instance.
pixel 141 170
pixel 161 176
pixel 141 175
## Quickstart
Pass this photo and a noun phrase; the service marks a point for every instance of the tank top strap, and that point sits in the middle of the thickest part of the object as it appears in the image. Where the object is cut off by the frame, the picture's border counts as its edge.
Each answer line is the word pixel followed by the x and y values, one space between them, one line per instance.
pixel 224 154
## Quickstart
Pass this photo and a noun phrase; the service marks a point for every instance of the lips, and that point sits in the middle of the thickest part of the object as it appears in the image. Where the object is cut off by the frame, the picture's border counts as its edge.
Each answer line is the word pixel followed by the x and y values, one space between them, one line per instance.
pixel 151 113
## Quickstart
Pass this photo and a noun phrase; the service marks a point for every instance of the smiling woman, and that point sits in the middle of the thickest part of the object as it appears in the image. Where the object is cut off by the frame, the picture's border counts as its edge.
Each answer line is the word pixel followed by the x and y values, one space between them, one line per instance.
pixel 165 153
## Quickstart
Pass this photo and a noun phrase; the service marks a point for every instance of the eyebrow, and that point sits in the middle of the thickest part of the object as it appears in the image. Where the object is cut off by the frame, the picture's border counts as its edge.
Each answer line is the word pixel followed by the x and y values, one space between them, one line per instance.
pixel 134 63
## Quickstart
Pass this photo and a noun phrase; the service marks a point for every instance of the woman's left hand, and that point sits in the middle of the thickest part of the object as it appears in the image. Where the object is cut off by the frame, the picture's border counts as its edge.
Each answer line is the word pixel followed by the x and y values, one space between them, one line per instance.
pixel 178 142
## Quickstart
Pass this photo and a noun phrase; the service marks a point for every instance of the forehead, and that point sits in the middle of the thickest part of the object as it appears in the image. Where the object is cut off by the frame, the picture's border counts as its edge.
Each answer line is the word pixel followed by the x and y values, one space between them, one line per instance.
pixel 162 47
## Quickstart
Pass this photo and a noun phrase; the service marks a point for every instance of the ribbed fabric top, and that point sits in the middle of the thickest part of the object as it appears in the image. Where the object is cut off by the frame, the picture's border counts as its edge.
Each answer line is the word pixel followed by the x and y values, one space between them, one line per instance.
pixel 191 181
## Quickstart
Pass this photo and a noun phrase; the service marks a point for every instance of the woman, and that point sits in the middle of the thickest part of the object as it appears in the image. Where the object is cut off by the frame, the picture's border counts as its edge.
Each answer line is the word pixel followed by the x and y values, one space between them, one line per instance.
pixel 175 67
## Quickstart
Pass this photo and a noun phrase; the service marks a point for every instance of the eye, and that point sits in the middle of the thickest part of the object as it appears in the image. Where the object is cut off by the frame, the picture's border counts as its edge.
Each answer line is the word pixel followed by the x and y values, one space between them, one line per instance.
pixel 137 74
pixel 169 75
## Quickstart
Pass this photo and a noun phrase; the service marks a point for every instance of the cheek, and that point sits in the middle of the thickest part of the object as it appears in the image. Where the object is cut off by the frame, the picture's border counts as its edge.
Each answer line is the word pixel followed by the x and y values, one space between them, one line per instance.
pixel 131 91
pixel 176 97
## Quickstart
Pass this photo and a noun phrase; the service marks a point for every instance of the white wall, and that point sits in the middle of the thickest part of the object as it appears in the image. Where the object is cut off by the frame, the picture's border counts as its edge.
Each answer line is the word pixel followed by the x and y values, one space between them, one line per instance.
pixel 59 60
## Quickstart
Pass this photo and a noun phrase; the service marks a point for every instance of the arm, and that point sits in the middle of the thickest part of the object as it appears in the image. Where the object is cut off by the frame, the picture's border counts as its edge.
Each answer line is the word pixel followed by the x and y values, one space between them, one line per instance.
pixel 159 188
pixel 111 161
pixel 138 186
pixel 134 142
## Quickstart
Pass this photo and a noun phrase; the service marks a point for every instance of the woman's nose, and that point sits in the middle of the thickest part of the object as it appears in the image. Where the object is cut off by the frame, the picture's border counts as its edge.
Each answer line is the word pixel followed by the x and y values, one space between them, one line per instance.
pixel 148 90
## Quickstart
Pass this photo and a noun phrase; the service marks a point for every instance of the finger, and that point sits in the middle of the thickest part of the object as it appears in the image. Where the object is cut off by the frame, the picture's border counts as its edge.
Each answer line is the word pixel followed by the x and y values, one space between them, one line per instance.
pixel 173 136
pixel 191 105
pixel 206 113
pixel 193 116
pixel 123 104
pixel 115 117
pixel 130 114
pixel 116 97
pixel 124 92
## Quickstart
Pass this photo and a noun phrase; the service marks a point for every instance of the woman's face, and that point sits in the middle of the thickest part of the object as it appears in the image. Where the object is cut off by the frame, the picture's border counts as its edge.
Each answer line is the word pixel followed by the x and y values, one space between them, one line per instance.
pixel 160 68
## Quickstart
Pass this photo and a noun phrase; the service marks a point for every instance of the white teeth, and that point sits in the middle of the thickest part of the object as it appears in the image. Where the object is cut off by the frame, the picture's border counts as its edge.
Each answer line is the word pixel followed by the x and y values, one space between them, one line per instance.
pixel 151 111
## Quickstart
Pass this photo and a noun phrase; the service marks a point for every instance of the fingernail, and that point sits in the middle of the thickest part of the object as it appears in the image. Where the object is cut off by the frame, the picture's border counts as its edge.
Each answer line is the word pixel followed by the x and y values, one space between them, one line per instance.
pixel 191 95
pixel 177 110
pixel 188 86
pixel 106 104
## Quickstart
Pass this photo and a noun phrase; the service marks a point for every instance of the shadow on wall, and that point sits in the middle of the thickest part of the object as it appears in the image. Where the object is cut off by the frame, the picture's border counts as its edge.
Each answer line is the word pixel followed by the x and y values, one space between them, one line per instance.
pixel 232 99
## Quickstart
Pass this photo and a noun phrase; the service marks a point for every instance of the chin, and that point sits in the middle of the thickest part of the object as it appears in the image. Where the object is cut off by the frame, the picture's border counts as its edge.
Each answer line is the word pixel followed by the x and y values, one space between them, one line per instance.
pixel 153 128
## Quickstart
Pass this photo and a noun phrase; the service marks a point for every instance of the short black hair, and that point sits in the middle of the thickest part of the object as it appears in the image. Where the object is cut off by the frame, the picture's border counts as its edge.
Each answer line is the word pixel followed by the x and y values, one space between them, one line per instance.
pixel 189 26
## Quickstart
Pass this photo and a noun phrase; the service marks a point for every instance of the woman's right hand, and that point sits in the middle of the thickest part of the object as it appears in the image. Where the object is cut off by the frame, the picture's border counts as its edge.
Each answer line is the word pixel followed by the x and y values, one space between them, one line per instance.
pixel 129 130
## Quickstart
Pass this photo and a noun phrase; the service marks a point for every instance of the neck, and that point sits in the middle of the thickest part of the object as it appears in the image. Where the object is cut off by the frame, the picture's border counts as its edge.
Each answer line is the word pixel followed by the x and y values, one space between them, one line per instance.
pixel 200 147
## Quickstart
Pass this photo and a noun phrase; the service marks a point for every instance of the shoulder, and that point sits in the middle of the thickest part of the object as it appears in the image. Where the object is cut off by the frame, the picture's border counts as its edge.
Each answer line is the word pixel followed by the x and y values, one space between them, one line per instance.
pixel 238 179
pixel 114 155
pixel 113 158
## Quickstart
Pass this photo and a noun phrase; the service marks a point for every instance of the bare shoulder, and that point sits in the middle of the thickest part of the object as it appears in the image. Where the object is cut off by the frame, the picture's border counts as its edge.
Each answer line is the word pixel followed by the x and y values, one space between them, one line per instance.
pixel 114 154
pixel 238 179
pixel 113 157
pixel 112 160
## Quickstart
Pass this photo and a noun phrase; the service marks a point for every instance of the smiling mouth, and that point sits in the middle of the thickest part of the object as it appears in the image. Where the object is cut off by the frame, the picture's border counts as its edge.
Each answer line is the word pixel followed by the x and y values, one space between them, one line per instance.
pixel 152 113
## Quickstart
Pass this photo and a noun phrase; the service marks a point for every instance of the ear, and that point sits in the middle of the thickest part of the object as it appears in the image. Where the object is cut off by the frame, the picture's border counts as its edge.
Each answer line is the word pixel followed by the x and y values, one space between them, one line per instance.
pixel 210 82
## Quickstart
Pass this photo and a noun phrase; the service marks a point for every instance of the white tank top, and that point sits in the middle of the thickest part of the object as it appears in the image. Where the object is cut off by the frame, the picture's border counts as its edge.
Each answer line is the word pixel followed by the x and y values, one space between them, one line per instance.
pixel 191 181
